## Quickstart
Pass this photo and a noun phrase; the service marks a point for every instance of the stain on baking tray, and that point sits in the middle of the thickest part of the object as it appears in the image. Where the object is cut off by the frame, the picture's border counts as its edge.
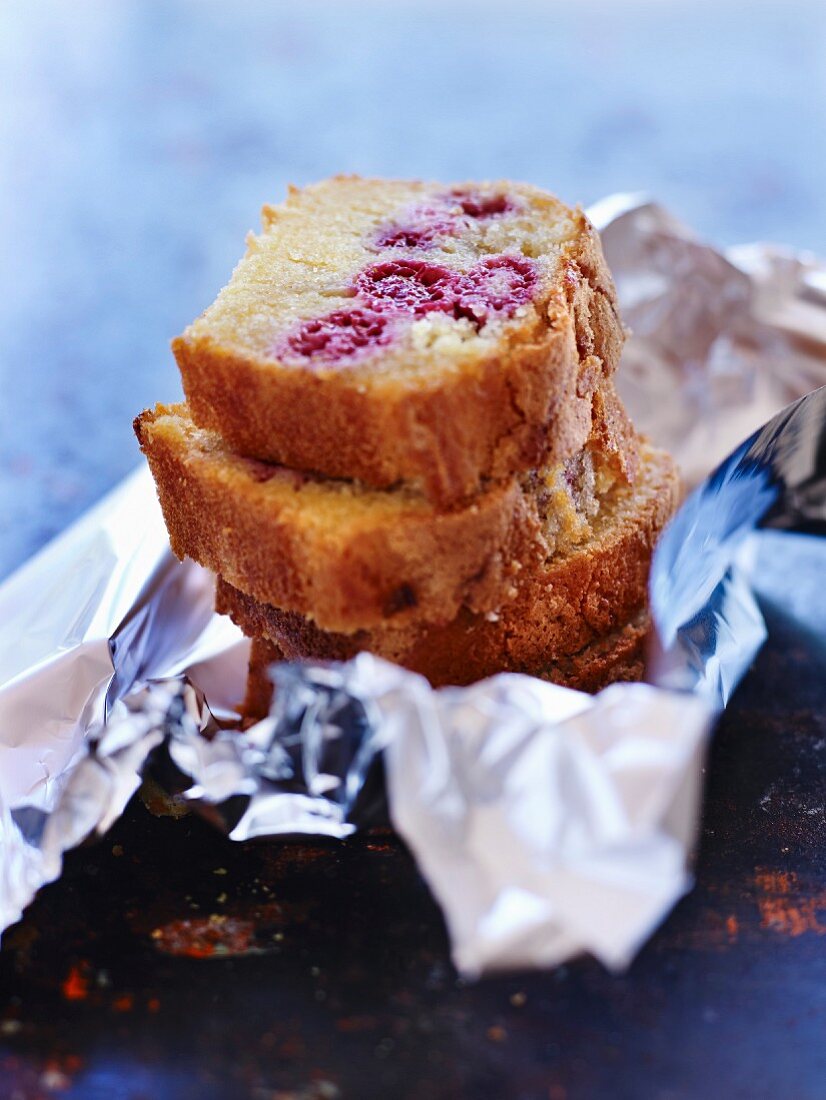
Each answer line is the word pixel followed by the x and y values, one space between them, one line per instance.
pixel 75 986
pixel 207 937
pixel 774 902
pixel 785 907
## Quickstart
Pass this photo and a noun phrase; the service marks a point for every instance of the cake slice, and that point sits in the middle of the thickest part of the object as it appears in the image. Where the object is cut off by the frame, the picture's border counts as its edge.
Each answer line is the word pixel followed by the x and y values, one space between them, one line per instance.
pixel 349 557
pixel 614 657
pixel 392 331
pixel 583 601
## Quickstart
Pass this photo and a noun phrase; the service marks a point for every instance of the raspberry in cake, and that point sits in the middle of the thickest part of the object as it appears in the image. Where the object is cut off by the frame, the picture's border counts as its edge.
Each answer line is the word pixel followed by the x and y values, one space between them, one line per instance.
pixel 393 331
pixel 342 334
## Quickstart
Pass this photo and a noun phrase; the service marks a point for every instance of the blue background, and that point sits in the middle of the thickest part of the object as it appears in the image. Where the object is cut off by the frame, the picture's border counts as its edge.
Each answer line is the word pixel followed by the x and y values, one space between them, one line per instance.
pixel 138 141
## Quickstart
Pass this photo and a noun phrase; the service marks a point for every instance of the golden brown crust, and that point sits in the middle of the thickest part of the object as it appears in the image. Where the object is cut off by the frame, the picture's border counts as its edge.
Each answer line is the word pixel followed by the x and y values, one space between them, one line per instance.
pixel 379 556
pixel 259 691
pixel 562 605
pixel 524 402
pixel 412 563
pixel 529 406
pixel 619 656
pixel 258 695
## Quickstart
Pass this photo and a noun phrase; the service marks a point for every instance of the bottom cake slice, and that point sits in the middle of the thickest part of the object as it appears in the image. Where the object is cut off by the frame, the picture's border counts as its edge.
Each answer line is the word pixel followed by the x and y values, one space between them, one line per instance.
pixel 617 656
pixel 580 617
pixel 351 558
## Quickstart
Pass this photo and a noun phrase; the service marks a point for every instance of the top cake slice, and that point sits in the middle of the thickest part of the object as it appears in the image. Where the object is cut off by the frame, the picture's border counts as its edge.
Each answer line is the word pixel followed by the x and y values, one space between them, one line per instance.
pixel 415 332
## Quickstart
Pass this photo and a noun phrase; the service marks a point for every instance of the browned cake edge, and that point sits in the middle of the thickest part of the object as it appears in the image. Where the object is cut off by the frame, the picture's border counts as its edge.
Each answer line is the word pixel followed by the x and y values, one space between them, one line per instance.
pixel 528 404
pixel 258 693
pixel 424 566
pixel 620 656
pixel 562 606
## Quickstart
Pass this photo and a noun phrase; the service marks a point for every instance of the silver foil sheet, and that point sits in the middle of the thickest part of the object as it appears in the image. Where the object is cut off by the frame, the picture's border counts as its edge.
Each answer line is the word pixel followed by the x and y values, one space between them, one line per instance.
pixel 721 339
pixel 546 822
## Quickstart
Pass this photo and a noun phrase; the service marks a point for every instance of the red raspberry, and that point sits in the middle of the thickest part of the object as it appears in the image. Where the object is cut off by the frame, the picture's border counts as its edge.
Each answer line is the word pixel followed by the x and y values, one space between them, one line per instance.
pixel 343 334
pixel 405 236
pixel 423 224
pixel 419 229
pixel 498 284
pixel 477 205
pixel 408 286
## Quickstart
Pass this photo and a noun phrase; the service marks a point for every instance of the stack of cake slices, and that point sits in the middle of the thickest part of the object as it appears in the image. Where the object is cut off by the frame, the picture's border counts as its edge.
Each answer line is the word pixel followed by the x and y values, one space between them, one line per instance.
pixel 401 435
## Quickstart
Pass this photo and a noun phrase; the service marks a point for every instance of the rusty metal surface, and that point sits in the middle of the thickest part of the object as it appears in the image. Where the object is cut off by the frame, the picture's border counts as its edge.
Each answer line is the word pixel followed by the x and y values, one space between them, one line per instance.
pixel 170 962
pixel 140 141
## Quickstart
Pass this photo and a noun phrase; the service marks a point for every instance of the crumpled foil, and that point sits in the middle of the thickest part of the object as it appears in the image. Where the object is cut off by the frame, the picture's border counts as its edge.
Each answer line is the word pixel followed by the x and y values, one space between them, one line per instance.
pixel 720 339
pixel 546 822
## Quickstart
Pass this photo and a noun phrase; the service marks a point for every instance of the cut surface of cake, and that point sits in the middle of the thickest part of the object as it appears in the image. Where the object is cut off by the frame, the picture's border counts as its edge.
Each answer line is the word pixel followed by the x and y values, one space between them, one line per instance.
pixel 349 557
pixel 393 331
